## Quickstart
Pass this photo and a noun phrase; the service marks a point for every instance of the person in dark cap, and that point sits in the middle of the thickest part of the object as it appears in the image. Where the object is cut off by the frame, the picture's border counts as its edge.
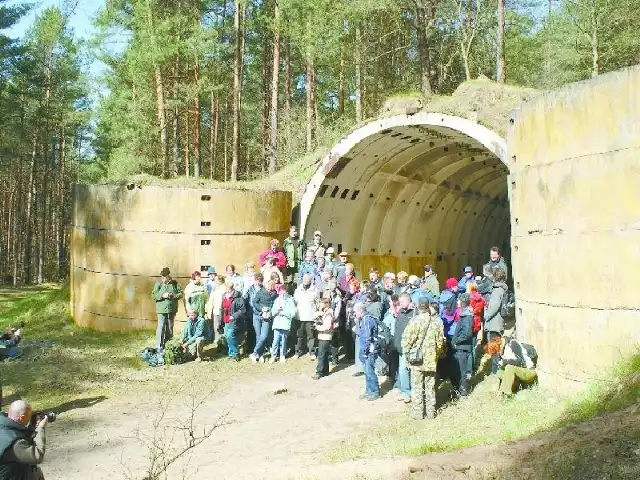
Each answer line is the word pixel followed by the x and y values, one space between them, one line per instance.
pixel 467 277
pixel 430 281
pixel 166 294
pixel 210 284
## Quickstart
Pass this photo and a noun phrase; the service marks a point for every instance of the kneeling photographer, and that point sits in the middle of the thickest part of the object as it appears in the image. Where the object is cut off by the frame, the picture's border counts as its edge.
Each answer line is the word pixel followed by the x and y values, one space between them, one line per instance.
pixel 22 442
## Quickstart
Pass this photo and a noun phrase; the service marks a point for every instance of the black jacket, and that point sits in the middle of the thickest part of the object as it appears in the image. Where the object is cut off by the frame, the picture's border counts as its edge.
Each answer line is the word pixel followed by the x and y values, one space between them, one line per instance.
pixel 462 338
pixel 238 309
pixel 263 299
pixel 16 461
pixel 402 320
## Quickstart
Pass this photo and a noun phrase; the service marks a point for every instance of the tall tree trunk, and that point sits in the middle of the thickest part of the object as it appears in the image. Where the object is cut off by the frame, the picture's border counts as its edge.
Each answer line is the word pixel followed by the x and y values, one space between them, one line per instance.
pixel 43 213
pixel 309 101
pixel 501 64
pixel 235 139
pixel 187 152
pixel 26 262
pixel 176 117
pixel 273 132
pixel 358 65
pixel 595 41
pixel 341 76
pixel 287 91
pixel 62 260
pixel 423 36
pixel 225 143
pixel 196 124
pixel 213 137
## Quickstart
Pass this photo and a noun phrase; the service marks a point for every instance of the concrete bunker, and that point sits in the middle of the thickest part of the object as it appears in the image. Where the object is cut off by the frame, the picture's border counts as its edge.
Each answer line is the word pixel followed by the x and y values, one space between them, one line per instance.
pixel 410 190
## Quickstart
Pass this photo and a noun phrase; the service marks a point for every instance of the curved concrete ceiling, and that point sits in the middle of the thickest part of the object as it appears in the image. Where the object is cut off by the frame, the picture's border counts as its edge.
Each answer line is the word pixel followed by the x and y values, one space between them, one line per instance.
pixel 412 189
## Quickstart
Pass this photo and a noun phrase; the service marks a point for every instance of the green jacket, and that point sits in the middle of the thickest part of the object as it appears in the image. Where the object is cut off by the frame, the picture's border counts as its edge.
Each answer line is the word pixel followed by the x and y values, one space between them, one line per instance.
pixel 294 253
pixel 166 305
pixel 194 329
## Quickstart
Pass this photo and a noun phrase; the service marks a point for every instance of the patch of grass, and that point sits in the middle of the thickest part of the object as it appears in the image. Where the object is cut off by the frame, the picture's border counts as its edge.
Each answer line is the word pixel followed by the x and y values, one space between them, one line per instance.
pixel 63 364
pixel 482 418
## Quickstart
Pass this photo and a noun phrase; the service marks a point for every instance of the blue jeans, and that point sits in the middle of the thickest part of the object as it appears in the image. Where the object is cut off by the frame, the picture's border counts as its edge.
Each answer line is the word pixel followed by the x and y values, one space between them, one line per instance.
pixel 279 343
pixel 262 333
pixel 404 378
pixel 230 332
pixel 359 363
pixel 371 385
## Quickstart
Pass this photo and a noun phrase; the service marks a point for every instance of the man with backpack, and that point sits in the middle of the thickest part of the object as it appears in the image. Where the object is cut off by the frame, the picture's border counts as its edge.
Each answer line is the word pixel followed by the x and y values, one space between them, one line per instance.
pixel 367 333
pixel 405 313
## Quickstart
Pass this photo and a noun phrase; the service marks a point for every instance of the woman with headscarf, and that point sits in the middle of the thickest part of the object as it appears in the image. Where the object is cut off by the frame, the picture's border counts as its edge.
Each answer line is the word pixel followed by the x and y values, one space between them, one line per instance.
pixel 280 260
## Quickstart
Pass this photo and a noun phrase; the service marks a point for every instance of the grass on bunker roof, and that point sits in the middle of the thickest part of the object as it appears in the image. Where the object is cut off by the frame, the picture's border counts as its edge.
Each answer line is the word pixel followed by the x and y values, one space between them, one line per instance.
pixel 63 363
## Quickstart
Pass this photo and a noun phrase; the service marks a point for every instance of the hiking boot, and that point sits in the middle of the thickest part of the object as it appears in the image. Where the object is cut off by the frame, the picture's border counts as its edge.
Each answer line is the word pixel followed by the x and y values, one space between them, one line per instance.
pixel 198 359
pixel 363 396
pixel 401 398
pixel 317 376
pixel 372 398
pixel 358 374
pixel 253 357
pixel 272 360
pixel 261 359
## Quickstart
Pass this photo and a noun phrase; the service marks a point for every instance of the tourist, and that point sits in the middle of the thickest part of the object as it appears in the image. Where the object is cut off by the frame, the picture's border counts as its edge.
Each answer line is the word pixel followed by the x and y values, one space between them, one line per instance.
pixel 406 312
pixel 326 277
pixel 448 305
pixel 195 295
pixel 324 321
pixel 330 261
pixel 424 335
pixel 306 296
pixel 388 360
pixel 195 334
pixel 280 260
pixel 294 251
pixel 416 292
pixel 374 278
pixel 232 311
pixel 340 267
pixel 269 269
pixel 517 364
pixel 373 303
pixel 493 321
pixel 478 305
pixel 282 312
pixel 262 304
pixel 402 285
pixel 367 332
pixel 495 261
pixel 321 263
pixel 333 294
pixel 317 247
pixel 210 284
pixel 308 267
pixel 430 281
pixel 467 277
pixel 249 278
pixel 461 342
pixel 349 274
pixel 166 294
pixel 236 278
pixel 214 306
pixel 349 300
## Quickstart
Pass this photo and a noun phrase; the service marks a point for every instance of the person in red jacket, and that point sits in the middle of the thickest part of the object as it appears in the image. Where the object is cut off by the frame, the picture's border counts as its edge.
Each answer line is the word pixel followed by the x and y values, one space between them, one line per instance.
pixel 478 304
pixel 276 252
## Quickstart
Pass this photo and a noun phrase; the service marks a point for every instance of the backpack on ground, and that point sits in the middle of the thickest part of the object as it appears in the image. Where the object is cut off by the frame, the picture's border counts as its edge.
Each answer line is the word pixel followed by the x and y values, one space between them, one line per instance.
pixel 508 306
pixel 152 357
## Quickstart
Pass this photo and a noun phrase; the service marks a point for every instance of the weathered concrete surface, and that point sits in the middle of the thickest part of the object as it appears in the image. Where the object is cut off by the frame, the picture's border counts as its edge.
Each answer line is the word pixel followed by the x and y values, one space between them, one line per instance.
pixel 122 237
pixel 575 211
pixel 410 190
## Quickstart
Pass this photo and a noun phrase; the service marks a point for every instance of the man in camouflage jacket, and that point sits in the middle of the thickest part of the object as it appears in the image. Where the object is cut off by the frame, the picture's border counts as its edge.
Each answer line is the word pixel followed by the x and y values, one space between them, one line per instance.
pixel 424 331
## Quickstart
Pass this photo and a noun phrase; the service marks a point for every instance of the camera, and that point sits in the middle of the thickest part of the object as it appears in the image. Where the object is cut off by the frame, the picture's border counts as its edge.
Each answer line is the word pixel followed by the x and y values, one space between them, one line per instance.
pixel 37 417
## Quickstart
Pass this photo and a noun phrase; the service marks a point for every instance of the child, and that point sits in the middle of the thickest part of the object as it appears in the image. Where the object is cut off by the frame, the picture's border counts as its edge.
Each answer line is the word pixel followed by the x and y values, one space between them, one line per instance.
pixel 282 312
pixel 324 326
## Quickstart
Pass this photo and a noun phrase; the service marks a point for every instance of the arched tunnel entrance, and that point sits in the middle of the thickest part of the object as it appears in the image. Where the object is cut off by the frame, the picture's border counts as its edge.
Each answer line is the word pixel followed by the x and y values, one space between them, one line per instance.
pixel 410 190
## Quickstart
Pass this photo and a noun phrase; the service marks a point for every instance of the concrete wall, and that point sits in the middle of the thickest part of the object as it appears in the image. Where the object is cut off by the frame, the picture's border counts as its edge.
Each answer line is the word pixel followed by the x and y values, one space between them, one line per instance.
pixel 122 237
pixel 575 215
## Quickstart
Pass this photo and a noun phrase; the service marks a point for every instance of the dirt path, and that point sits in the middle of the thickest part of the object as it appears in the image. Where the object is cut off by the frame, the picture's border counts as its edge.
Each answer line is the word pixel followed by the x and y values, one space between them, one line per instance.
pixel 286 435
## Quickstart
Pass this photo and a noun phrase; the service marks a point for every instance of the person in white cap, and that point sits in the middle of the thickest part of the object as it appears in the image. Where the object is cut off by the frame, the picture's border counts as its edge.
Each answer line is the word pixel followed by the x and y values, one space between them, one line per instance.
pixel 330 259
pixel 317 247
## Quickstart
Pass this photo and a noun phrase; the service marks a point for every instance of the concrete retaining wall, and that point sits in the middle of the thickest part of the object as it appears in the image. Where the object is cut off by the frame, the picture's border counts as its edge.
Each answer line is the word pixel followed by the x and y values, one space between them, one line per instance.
pixel 122 237
pixel 575 216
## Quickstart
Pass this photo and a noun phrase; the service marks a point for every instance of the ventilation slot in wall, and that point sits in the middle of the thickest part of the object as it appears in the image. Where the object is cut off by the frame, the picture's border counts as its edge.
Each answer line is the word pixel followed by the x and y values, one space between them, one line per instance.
pixel 355 194
pixel 335 191
pixel 323 190
pixel 205 242
pixel 344 194
pixel 205 198
pixel 205 224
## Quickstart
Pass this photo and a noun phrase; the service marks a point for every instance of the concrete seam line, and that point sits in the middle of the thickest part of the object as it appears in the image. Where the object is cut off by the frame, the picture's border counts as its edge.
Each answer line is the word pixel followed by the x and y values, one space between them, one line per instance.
pixel 195 234
pixel 576 157
pixel 118 318
pixel 576 307
pixel 117 274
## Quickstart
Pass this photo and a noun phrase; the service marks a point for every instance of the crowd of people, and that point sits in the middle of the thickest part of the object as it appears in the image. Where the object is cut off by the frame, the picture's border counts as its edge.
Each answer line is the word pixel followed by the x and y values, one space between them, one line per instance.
pixel 303 301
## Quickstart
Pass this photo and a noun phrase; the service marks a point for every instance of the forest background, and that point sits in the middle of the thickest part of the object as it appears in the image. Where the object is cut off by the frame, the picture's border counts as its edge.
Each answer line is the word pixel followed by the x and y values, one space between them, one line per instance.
pixel 233 90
